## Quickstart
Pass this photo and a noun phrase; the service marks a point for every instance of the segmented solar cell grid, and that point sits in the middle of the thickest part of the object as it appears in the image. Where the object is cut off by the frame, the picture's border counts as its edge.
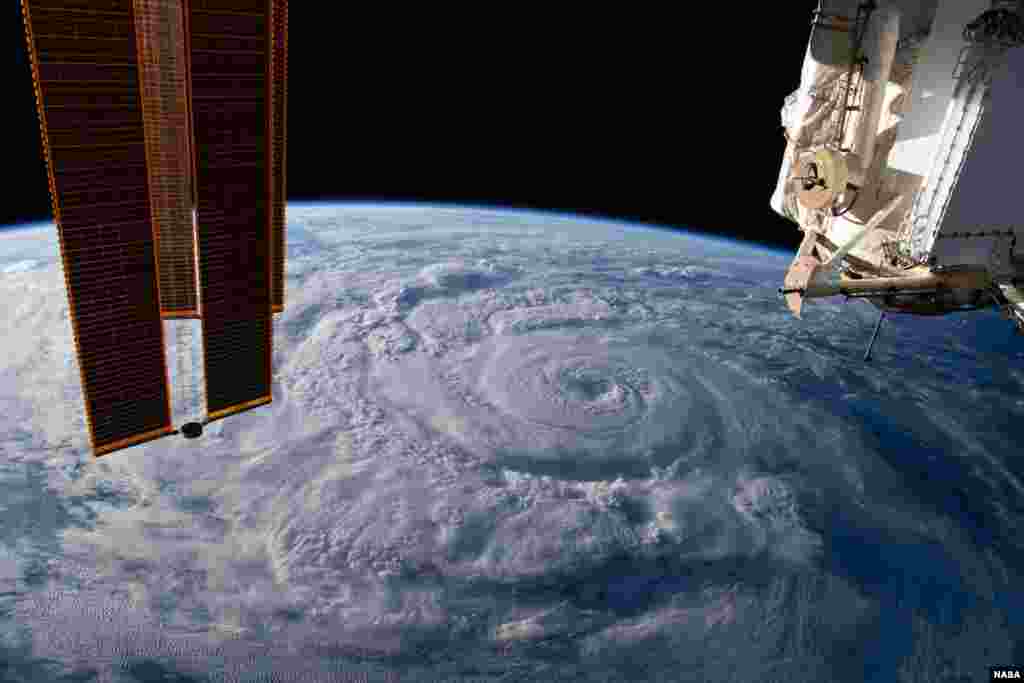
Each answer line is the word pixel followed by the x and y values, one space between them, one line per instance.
pixel 85 72
pixel 161 43
pixel 279 92
pixel 229 43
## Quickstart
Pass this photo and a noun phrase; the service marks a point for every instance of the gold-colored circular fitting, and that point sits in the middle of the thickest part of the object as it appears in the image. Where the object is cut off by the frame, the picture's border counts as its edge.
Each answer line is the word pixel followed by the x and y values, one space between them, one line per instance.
pixel 820 178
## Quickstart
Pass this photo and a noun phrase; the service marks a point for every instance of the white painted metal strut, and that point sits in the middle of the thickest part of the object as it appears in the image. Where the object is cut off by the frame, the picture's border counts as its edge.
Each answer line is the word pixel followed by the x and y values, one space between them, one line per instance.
pixel 966 112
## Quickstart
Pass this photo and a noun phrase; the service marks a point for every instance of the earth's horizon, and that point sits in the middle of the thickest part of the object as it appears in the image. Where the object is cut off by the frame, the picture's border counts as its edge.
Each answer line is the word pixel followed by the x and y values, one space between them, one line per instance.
pixel 514 445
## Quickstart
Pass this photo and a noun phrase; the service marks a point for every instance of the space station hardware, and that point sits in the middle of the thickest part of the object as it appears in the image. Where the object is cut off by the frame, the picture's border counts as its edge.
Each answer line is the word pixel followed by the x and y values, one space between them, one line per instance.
pixel 163 131
pixel 901 145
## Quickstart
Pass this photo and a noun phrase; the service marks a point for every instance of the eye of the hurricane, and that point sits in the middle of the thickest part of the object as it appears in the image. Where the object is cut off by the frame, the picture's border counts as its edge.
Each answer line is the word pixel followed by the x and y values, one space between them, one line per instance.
pixel 582 386
pixel 592 388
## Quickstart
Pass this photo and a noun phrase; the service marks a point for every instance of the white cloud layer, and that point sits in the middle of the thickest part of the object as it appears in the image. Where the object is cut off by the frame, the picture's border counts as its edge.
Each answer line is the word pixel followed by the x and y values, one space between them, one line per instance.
pixel 516 442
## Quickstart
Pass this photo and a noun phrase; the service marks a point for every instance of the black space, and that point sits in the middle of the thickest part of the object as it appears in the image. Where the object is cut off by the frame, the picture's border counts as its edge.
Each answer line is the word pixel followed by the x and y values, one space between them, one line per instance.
pixel 669 117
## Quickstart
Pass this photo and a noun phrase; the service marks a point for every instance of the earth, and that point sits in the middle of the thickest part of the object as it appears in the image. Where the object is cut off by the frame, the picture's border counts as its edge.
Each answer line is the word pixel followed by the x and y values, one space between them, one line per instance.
pixel 518 446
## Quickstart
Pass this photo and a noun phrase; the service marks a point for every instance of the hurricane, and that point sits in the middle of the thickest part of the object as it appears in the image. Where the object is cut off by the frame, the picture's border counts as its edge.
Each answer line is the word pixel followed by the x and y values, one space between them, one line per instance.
pixel 515 446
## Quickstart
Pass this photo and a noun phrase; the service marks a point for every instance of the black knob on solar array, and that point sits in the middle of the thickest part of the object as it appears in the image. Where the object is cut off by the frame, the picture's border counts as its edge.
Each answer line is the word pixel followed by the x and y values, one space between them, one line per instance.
pixel 191 430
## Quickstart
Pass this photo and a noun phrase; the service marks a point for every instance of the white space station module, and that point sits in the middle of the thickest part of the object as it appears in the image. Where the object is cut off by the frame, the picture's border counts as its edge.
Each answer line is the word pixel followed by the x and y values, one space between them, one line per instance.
pixel 902 161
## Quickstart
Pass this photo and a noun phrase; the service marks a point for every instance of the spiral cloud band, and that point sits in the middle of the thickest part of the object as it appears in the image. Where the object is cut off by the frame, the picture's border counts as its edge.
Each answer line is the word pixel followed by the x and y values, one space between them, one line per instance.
pixel 506 445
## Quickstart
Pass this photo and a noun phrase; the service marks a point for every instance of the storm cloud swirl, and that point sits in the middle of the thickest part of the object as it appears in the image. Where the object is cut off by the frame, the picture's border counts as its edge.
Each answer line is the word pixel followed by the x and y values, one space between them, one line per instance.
pixel 610 441
pixel 521 448
pixel 592 406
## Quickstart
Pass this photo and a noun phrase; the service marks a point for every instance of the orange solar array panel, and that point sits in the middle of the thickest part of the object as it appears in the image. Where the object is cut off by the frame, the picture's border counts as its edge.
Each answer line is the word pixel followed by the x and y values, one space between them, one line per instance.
pixel 230 68
pixel 278 93
pixel 160 37
pixel 85 73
